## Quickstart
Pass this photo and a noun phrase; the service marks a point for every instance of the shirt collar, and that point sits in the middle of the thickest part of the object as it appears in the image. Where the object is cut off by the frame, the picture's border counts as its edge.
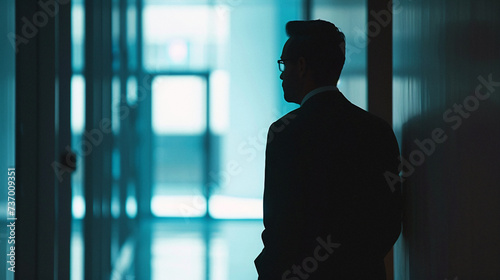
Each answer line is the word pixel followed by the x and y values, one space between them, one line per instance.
pixel 316 91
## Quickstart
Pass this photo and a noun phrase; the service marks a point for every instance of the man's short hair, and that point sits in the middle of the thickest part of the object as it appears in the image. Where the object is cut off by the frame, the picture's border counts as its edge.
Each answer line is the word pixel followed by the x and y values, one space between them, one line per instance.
pixel 322 45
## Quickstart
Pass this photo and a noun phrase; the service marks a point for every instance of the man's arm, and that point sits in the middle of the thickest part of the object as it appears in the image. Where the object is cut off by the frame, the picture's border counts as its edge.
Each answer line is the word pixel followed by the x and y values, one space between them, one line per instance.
pixel 283 210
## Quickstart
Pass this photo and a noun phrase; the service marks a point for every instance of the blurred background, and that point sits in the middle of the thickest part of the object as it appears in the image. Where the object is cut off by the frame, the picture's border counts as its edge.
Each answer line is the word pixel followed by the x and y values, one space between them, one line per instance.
pixel 138 127
pixel 170 104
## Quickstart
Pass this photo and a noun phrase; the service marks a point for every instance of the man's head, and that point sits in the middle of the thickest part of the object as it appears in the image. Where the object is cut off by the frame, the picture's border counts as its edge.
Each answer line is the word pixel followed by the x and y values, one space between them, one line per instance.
pixel 313 56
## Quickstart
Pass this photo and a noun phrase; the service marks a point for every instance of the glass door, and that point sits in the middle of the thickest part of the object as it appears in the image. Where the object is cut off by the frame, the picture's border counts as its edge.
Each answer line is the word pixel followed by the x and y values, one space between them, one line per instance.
pixel 180 151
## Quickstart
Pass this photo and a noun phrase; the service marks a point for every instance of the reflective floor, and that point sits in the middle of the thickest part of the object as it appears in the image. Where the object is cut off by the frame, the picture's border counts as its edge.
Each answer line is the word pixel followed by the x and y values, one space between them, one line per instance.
pixel 189 250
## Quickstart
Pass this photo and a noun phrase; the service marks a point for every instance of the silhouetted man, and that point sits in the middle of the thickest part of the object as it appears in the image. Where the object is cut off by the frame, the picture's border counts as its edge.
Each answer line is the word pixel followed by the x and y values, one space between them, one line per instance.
pixel 329 210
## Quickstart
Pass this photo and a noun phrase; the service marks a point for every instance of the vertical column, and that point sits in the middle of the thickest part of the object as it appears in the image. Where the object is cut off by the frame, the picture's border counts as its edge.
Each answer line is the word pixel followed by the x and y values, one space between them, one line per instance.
pixel 98 133
pixel 143 148
pixel 43 197
pixel 125 133
pixel 63 123
pixel 380 58
pixel 26 157
pixel 307 9
pixel 379 67
pixel 93 258
pixel 144 128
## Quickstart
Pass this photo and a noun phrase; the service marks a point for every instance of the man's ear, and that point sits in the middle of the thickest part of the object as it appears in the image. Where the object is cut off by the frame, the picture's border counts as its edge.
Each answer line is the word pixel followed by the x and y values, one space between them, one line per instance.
pixel 302 67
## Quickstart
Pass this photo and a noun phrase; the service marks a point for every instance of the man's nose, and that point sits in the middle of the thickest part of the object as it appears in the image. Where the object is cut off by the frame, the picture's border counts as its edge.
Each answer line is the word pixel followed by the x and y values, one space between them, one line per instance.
pixel 281 75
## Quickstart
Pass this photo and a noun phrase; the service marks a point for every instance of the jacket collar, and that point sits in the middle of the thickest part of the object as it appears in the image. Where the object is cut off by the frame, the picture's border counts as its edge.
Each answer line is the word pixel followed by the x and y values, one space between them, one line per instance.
pixel 316 91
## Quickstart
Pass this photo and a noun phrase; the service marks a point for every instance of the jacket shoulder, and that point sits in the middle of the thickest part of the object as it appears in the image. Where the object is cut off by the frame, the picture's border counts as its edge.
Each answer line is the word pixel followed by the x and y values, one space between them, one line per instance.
pixel 290 119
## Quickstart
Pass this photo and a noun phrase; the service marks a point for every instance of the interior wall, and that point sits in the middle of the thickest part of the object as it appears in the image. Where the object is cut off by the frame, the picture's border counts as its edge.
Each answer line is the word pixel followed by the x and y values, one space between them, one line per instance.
pixel 447 118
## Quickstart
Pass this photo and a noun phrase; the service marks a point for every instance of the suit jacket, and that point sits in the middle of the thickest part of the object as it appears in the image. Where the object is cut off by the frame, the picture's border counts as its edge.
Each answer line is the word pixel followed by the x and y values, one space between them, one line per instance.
pixel 329 209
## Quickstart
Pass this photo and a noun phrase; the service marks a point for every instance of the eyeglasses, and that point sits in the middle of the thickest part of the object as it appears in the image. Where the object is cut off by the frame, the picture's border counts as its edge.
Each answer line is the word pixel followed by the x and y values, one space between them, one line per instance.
pixel 281 64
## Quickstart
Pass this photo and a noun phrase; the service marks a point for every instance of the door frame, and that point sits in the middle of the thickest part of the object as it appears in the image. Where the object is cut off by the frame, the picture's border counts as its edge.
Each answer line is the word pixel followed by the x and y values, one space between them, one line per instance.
pixel 43 166
pixel 145 119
